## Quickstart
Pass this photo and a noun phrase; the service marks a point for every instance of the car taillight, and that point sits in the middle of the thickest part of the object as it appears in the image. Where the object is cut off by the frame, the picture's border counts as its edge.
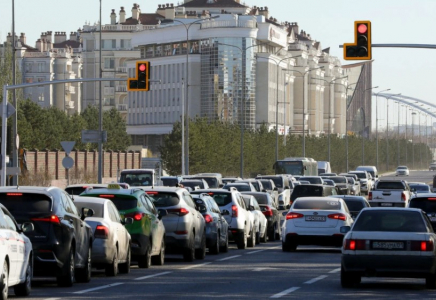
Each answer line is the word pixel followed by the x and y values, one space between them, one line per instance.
pixel 101 232
pixel 292 215
pixel 354 244
pixel 178 211
pixel 208 218
pixel 136 216
pixel 234 211
pixel 337 217
pixel 52 219
pixel 370 196
pixel 403 196
pixel 268 212
pixel 421 246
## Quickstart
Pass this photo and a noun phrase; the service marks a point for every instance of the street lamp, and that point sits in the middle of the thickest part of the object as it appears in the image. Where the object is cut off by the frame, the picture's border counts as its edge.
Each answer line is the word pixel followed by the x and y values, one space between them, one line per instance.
pixel 413 134
pixel 398 135
pixel 363 129
pixel 387 129
pixel 376 123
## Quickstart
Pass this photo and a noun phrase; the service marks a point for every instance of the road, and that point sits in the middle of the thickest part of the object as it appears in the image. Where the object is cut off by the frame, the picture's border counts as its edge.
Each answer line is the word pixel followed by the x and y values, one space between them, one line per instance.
pixel 263 272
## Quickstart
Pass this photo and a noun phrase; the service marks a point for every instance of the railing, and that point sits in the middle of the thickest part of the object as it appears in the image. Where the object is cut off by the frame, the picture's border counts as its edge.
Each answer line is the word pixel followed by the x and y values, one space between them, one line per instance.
pixel 122 107
pixel 119 27
pixel 228 23
pixel 122 70
pixel 121 88
pixel 109 90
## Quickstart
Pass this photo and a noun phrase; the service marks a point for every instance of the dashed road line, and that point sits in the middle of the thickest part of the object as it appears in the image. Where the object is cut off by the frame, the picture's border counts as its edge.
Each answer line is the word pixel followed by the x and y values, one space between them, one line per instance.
pixel 252 252
pixel 52 299
pixel 151 276
pixel 285 292
pixel 260 269
pixel 335 271
pixel 98 288
pixel 227 258
pixel 316 279
pixel 195 266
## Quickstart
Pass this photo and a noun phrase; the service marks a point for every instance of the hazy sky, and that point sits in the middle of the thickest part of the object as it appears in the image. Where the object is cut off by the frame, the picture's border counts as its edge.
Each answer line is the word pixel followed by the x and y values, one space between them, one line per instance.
pixel 406 71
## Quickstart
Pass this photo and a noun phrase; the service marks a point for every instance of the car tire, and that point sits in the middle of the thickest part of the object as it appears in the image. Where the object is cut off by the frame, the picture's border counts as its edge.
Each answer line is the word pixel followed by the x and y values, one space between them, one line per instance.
pixel 124 268
pixel 215 248
pixel 111 269
pixel 23 289
pixel 144 261
pixel 348 279
pixel 189 252
pixel 285 247
pixel 264 239
pixel 430 281
pixel 67 279
pixel 200 253
pixel 84 274
pixel 225 248
pixel 252 239
pixel 5 279
pixel 159 260
pixel 242 241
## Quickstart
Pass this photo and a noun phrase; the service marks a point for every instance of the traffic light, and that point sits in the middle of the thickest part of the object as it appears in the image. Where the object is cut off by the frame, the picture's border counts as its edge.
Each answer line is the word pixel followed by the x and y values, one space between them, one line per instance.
pixel 141 80
pixel 361 48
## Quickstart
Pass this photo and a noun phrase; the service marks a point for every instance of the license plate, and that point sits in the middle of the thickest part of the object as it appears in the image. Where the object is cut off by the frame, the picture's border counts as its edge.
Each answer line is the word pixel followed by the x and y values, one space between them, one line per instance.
pixel 315 218
pixel 386 204
pixel 388 245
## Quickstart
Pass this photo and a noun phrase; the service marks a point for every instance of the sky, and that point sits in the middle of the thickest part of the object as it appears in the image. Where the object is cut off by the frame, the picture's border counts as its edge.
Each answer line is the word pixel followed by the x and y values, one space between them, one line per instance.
pixel 406 71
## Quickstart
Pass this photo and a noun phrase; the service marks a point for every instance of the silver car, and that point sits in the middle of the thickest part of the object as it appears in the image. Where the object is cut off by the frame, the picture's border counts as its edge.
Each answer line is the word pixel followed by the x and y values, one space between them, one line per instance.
pixel 111 246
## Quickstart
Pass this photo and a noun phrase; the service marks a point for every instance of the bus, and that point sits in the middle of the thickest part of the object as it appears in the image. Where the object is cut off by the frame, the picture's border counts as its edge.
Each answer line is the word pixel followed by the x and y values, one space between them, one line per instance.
pixel 302 166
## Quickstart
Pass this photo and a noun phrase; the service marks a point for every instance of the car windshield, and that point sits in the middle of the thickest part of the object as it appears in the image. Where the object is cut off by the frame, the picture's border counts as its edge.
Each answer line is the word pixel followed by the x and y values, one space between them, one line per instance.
pixel 420 187
pixel 267 184
pixel 312 180
pixel 170 181
pixel 361 175
pixel 390 185
pixel 193 183
pixel 163 199
pixel 390 220
pixel 317 204
pixel 212 182
pixel 426 204
pixel 402 168
pixel 77 190
pixel 354 205
pixel 277 181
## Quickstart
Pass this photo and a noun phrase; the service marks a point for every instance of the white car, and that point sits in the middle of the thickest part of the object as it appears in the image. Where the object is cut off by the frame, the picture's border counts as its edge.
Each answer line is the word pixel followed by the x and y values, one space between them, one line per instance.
pixel 315 221
pixel 402 171
pixel 15 255
pixel 111 245
pixel 260 221
pixel 389 242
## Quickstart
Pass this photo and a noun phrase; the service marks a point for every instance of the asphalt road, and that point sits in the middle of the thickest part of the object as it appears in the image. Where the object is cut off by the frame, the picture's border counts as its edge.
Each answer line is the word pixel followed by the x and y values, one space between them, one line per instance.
pixel 263 272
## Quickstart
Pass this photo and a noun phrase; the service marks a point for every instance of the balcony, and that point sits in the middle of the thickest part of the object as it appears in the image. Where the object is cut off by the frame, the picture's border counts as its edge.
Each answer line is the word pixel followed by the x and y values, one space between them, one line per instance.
pixel 121 70
pixel 121 89
pixel 228 23
pixel 122 107
pixel 70 90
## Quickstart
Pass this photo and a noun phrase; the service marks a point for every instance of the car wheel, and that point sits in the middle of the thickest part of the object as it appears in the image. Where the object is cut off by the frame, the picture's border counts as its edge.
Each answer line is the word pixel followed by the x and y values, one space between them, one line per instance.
pixel 84 274
pixel 349 279
pixel 112 268
pixel 252 239
pixel 225 247
pixel 5 279
pixel 189 252
pixel 23 289
pixel 144 261
pixel 258 237
pixel 67 279
pixel 124 268
pixel 215 248
pixel 265 236
pixel 242 241
pixel 430 281
pixel 159 260
pixel 200 253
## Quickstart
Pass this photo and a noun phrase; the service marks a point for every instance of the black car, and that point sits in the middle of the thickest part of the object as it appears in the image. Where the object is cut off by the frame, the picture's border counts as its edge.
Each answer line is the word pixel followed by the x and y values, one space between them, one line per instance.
pixel 308 190
pixel 270 211
pixel 354 203
pixel 426 202
pixel 217 228
pixel 61 239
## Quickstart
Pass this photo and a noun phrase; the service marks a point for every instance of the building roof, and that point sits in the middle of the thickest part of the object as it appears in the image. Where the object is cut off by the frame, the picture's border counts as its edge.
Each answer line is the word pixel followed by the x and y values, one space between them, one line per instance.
pixel 214 3
pixel 145 19
pixel 69 43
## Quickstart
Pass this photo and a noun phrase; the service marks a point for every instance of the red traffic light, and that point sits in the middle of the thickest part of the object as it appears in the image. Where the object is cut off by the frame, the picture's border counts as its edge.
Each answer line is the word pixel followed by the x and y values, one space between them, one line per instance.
pixel 142 67
pixel 362 28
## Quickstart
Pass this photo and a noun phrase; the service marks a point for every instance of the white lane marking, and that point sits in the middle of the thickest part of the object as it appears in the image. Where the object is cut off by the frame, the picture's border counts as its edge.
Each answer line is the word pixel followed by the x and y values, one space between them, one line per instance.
pixel 274 248
pixel 316 279
pixel 151 276
pixel 285 292
pixel 52 299
pixel 227 258
pixel 252 252
pixel 260 269
pixel 195 266
pixel 335 270
pixel 98 288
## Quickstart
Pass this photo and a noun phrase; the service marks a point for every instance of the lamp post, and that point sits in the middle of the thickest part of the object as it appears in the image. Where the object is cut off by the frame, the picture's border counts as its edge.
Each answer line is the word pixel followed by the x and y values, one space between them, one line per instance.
pixel 100 111
pixel 398 135
pixel 387 129
pixel 376 123
pixel 363 128
pixel 413 135
pixel 405 132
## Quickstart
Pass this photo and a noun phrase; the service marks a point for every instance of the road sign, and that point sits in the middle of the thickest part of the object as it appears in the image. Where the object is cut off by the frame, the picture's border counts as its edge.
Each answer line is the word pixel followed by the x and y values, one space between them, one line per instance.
pixel 10 110
pixel 68 146
pixel 68 162
pixel 93 136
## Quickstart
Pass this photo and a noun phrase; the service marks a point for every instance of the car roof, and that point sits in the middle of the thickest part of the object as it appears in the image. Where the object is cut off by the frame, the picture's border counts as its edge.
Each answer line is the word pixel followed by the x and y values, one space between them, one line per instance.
pixel 424 195
pixel 310 198
pixel 417 183
pixel 121 191
pixel 349 197
pixel 87 185
pixel 213 191
pixel 392 208
pixel 90 200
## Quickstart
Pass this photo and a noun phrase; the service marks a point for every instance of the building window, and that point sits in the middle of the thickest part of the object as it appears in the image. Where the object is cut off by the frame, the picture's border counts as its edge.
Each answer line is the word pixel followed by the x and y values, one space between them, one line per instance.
pixel 41 67
pixel 109 44
pixel 142 49
pixel 125 44
pixel 159 51
pixel 149 51
pixel 109 63
pixel 29 80
pixel 176 49
pixel 167 50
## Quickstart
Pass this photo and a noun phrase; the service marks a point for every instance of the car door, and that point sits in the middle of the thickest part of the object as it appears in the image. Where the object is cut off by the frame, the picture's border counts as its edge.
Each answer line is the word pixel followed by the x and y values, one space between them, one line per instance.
pixel 197 218
pixel 247 221
pixel 117 229
pixel 16 259
pixel 160 229
pixel 154 222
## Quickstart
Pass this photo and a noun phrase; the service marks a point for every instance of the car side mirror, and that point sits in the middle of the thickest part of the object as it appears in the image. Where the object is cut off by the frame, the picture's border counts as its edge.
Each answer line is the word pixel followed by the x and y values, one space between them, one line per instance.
pixel 162 213
pixel 345 229
pixel 251 208
pixel 221 185
pixel 127 221
pixel 225 212
pixel 264 191
pixel 27 227
pixel 86 212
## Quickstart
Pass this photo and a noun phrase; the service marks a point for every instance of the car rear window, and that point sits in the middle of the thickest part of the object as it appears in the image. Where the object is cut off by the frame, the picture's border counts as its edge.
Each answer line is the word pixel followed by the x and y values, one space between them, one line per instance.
pixel 426 204
pixel 278 181
pixel 354 205
pixel 163 199
pixel 96 207
pixel 25 203
pixel 390 220
pixel 211 182
pixel 260 198
pixel 307 190
pixel 193 183
pixel 312 180
pixel 390 185
pixel 170 181
pixel 317 204
pixel 360 175
pixel 339 179
pixel 239 187
pixel 266 184
pixel 122 202
pixel 222 199
pixel 420 188
pixel 77 190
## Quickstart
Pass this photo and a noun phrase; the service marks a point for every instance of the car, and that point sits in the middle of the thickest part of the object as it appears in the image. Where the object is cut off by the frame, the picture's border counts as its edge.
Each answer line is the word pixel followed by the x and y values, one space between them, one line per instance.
pixel 271 188
pixel 77 189
pixel 241 187
pixel 419 187
pixel 16 255
pixel 185 226
pixel 147 231
pixel 370 169
pixel 212 179
pixel 342 184
pixel 61 239
pixel 309 190
pixel 402 171
pixel 230 179
pixel 315 221
pixel 312 179
pixel 365 183
pixel 270 210
pixel 432 167
pixel 111 246
pixel 354 203
pixel 389 242
pixel 260 222
pixel 255 182
pixel 328 174
pixel 217 228
pixel 233 208
pixel 173 181
pixel 426 202
pixel 354 186
pixel 328 182
pixel 194 183
pixel 284 189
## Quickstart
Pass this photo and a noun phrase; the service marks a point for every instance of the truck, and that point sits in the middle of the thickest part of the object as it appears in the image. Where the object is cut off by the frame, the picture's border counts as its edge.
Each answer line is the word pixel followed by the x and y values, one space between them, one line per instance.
pixel 390 193
pixel 324 167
